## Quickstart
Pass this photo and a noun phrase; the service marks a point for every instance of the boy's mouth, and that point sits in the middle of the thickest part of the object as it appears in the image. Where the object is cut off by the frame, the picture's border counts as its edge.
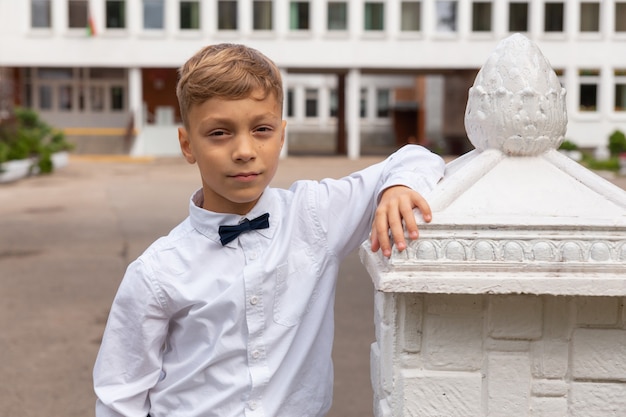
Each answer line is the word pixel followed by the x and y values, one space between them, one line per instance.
pixel 245 176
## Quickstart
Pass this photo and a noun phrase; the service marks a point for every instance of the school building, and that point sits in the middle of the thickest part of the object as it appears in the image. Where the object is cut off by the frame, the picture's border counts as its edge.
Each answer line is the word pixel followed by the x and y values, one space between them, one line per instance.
pixel 359 75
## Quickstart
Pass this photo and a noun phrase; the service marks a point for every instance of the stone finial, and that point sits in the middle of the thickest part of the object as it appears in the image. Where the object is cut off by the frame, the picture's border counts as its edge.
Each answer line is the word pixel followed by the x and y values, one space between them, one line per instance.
pixel 517 104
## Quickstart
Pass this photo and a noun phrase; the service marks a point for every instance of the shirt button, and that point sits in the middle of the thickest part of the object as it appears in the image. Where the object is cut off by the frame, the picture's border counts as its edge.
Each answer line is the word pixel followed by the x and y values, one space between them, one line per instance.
pixel 253 405
pixel 253 256
pixel 254 300
pixel 256 354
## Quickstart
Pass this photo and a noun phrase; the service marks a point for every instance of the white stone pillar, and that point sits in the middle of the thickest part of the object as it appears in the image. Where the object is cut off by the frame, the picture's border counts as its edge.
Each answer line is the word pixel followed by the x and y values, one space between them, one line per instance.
pixel 353 123
pixel 510 303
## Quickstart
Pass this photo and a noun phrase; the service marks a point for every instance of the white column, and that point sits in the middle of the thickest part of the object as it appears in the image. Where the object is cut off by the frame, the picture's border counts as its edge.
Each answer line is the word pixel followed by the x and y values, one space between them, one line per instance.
pixel 572 85
pixel 500 18
pixel 208 19
pixel 244 17
pixel 96 12
pixel 392 19
pixel 171 17
pixel 355 19
pixel 134 17
pixel 429 18
pixel 59 16
pixel 463 19
pixel 353 86
pixel 135 93
pixel 607 17
pixel 135 105
pixel 299 97
pixel 318 18
pixel 571 19
pixel 281 17
pixel 535 17
pixel 324 104
pixel 606 91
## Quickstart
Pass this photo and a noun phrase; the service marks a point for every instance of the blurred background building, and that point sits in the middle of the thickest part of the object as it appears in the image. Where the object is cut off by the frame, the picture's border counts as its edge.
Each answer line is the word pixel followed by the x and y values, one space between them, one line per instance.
pixel 360 76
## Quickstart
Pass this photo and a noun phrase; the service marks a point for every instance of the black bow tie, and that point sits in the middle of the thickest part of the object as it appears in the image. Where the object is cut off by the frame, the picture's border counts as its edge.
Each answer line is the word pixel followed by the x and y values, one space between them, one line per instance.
pixel 230 233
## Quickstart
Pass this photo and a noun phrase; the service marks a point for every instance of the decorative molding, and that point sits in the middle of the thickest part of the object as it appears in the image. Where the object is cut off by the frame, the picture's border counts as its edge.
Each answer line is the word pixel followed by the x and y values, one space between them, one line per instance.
pixel 507 250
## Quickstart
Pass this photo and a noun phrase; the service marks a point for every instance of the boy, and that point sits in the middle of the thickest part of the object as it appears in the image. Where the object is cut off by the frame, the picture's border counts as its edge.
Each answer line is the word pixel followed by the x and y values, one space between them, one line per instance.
pixel 231 314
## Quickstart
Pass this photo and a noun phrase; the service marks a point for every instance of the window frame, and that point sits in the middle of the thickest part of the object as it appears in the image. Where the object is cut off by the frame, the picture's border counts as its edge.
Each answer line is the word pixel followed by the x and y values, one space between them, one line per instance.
pixel 36 7
pixel 109 24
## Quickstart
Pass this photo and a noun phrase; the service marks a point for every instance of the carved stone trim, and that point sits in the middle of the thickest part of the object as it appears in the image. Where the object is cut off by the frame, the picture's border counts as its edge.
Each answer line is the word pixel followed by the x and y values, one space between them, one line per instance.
pixel 530 250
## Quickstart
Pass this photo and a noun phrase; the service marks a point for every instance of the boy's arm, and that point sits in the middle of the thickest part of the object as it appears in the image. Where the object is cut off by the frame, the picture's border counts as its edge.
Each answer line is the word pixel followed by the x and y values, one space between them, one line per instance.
pixel 129 361
pixel 348 206
pixel 396 205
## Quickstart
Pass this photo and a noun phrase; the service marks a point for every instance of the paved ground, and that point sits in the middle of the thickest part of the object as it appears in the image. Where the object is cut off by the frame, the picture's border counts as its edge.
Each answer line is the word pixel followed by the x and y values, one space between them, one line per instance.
pixel 65 241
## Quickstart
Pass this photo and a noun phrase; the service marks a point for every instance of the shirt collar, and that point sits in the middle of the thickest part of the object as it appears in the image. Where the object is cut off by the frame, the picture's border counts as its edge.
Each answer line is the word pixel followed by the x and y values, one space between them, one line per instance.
pixel 208 222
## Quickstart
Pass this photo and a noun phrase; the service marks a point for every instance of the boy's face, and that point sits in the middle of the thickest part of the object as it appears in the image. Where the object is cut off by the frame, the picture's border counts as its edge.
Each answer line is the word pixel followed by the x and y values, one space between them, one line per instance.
pixel 236 144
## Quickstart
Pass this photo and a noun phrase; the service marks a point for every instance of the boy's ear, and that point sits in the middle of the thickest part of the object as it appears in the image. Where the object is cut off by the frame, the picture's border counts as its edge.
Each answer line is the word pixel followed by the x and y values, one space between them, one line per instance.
pixel 282 137
pixel 185 145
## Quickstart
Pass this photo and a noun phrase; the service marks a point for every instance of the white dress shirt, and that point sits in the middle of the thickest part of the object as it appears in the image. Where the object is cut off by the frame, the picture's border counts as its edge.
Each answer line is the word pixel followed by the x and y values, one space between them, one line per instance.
pixel 245 329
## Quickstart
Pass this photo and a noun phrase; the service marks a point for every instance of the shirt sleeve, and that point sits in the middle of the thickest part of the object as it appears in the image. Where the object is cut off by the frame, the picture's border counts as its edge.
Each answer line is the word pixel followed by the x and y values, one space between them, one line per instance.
pixel 130 357
pixel 347 206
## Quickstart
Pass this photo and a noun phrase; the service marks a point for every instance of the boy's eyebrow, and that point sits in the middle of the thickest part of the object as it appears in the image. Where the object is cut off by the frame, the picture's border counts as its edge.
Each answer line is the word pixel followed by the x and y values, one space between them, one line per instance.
pixel 217 119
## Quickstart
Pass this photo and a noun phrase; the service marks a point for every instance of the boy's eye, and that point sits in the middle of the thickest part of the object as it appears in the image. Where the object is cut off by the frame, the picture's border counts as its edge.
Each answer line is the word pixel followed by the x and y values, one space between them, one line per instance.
pixel 263 129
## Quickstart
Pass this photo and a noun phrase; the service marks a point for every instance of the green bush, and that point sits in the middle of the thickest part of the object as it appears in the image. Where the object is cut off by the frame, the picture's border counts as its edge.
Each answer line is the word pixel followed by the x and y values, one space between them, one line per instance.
pixel 25 135
pixel 617 143
pixel 568 146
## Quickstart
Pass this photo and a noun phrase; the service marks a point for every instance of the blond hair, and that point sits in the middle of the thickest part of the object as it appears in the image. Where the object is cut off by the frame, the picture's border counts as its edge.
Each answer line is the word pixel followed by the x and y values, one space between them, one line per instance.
pixel 227 71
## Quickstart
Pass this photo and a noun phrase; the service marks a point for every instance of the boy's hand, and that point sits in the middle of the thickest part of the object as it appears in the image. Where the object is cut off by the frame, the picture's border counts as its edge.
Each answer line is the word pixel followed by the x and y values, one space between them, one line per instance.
pixel 396 204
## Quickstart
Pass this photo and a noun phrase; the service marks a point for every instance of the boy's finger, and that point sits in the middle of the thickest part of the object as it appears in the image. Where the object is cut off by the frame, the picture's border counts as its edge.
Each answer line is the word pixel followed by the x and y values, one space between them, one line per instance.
pixel 421 203
pixel 381 228
pixel 374 243
pixel 410 223
pixel 397 229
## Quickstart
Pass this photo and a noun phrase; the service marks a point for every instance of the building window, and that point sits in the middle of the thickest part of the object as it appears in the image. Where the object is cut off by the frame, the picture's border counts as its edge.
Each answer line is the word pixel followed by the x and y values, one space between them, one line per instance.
pixel 117 98
pixel 589 17
pixel 262 15
pixel 518 17
pixel 374 16
pixel 153 14
pixel 553 17
pixel 190 15
pixel 40 14
pixel 337 15
pixel 96 94
pixel 588 100
pixel 363 104
pixel 77 14
pixel 382 102
pixel 334 103
pixel 290 103
pixel 620 16
pixel 620 90
pixel 65 97
pixel 299 15
pixel 446 15
pixel 45 97
pixel 227 15
pixel 481 16
pixel 410 16
pixel 115 14
pixel 310 103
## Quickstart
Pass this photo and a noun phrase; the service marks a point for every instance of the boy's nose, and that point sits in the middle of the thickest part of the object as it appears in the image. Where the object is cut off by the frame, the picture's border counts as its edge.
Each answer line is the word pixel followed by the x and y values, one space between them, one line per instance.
pixel 244 148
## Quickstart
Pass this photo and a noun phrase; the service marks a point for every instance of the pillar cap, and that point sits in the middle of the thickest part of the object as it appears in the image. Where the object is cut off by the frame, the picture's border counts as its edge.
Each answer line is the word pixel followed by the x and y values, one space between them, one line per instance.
pixel 514 216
